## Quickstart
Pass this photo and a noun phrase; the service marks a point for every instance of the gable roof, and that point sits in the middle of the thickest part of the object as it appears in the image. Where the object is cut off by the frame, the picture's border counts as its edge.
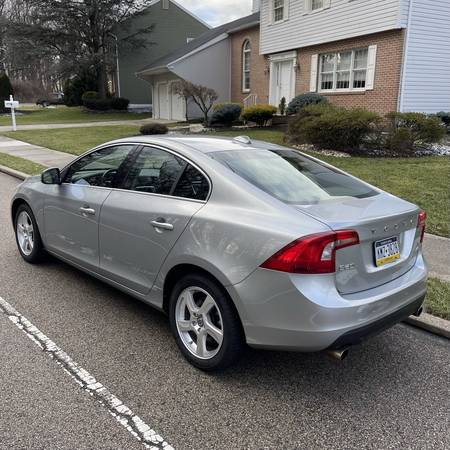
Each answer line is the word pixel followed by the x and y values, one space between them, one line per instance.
pixel 204 40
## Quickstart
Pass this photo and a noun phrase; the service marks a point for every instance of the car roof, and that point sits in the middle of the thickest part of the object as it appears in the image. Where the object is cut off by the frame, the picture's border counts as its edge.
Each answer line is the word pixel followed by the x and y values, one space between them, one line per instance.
pixel 205 144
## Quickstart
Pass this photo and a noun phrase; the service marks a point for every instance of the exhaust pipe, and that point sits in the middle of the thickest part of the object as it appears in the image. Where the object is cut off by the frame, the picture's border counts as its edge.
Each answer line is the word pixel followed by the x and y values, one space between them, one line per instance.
pixel 339 355
pixel 419 312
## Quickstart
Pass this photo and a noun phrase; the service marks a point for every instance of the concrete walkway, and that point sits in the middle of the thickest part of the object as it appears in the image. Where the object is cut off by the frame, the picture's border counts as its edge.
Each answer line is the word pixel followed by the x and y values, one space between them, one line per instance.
pixel 54 126
pixel 436 248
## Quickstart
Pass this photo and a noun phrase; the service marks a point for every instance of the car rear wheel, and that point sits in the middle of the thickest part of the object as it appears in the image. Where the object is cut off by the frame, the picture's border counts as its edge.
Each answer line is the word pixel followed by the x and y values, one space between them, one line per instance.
pixel 205 324
pixel 27 235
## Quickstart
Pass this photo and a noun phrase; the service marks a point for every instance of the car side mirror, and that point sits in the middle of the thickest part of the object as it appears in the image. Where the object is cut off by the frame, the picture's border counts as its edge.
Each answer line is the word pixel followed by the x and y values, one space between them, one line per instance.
pixel 51 176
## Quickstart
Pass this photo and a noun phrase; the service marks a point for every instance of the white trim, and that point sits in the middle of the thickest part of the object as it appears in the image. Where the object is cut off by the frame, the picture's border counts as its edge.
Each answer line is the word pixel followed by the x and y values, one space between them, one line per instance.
pixel 401 96
pixel 244 52
pixel 283 56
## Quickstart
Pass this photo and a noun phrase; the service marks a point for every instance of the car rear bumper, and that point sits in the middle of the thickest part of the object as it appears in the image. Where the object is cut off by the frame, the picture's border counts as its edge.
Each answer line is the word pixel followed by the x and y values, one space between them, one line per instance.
pixel 306 312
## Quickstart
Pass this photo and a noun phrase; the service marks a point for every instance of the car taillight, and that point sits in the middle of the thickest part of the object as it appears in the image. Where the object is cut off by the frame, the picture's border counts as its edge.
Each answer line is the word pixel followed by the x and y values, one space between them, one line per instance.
pixel 421 224
pixel 315 253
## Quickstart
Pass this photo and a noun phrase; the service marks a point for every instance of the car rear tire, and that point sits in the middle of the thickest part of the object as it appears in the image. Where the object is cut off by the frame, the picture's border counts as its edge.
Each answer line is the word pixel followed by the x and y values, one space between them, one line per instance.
pixel 205 323
pixel 28 238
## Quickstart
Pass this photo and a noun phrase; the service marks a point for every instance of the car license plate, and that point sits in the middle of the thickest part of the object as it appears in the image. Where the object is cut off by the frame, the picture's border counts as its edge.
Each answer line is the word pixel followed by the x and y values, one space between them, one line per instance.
pixel 386 251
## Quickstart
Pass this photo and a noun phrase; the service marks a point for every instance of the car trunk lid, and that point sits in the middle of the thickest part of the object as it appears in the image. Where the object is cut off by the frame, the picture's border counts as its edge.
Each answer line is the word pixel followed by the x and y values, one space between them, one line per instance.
pixel 382 219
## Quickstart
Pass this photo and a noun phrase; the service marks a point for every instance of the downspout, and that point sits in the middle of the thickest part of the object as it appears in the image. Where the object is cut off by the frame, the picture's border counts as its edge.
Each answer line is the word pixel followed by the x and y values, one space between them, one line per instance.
pixel 405 58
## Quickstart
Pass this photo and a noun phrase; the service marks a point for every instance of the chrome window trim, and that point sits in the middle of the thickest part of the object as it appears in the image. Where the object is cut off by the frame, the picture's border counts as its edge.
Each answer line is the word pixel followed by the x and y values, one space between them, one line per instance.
pixel 139 146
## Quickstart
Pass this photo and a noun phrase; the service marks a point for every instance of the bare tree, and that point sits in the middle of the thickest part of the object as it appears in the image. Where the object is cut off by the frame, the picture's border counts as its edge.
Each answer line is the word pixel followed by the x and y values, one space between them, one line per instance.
pixel 202 96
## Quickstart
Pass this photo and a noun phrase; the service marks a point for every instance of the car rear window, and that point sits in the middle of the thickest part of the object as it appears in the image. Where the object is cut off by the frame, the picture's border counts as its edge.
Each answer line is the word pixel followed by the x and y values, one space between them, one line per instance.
pixel 291 177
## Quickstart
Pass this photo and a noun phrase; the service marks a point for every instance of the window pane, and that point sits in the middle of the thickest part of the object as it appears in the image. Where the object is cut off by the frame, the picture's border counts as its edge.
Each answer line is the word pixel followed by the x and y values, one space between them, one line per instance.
pixel 291 177
pixel 344 61
pixel 154 171
pixel 246 81
pixel 342 80
pixel 316 4
pixel 360 59
pixel 103 168
pixel 192 184
pixel 327 63
pixel 278 10
pixel 326 81
pixel 359 78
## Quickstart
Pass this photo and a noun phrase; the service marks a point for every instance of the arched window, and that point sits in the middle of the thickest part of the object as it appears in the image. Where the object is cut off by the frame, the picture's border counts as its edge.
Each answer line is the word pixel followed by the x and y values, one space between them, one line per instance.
pixel 246 62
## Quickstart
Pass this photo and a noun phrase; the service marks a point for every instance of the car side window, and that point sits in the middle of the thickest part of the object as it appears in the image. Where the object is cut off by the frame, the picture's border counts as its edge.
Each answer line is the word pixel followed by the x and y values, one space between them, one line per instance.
pixel 102 168
pixel 192 184
pixel 155 171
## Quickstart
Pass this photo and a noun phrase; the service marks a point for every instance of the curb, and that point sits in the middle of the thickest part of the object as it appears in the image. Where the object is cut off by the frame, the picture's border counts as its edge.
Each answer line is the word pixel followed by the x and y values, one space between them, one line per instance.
pixel 14 173
pixel 432 324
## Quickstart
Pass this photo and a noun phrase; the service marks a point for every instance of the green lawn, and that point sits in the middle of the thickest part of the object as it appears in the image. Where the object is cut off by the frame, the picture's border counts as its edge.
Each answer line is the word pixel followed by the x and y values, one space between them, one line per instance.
pixel 63 114
pixel 437 302
pixel 74 140
pixel 424 181
pixel 20 164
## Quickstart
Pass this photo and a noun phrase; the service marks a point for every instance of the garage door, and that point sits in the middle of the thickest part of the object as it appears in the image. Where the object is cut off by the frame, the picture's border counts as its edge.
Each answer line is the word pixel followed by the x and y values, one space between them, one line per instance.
pixel 176 107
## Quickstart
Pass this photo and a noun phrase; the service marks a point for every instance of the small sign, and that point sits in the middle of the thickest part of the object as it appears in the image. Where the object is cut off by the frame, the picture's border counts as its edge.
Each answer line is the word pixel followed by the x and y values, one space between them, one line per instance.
pixel 11 104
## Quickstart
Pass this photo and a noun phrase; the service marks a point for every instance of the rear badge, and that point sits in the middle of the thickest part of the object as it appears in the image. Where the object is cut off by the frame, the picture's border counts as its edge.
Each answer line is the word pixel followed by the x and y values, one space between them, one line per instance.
pixel 343 267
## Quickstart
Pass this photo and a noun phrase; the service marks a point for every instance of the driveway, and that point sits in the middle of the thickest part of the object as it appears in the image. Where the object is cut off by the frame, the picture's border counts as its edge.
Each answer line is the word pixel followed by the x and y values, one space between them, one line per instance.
pixel 391 392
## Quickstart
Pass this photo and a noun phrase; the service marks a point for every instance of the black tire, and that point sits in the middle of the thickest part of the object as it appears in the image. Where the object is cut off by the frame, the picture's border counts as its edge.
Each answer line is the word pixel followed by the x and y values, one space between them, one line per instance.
pixel 37 254
pixel 233 336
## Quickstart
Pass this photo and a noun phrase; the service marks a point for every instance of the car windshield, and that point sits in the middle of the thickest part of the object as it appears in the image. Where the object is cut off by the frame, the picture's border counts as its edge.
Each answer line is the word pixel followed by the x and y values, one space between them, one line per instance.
pixel 292 177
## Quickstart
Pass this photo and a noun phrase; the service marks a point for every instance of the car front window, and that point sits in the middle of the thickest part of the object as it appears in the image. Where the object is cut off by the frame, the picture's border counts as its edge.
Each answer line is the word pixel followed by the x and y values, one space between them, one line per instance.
pixel 292 177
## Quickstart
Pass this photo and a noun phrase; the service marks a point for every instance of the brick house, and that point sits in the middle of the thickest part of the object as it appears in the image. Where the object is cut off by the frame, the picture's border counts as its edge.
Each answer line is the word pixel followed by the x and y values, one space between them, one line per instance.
pixel 383 55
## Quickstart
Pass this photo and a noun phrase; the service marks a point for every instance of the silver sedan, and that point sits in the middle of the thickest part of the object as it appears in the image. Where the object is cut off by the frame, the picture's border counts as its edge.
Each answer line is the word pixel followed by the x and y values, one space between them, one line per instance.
pixel 239 242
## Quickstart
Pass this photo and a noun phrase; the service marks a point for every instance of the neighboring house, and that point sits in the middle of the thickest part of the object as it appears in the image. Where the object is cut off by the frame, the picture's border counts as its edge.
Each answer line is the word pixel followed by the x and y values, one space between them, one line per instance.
pixel 173 25
pixel 383 55
pixel 206 60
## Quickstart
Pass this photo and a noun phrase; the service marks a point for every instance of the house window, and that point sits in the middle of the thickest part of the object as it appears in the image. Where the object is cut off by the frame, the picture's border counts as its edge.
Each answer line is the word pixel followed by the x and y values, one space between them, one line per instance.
pixel 246 62
pixel 278 10
pixel 343 70
pixel 316 4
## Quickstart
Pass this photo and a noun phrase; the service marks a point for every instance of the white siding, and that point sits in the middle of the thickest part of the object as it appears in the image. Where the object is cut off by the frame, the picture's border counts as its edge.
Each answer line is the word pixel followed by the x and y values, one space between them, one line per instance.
pixel 426 72
pixel 344 19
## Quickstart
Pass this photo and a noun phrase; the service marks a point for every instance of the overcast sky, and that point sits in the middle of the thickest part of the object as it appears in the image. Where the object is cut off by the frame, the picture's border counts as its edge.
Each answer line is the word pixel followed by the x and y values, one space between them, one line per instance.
pixel 216 12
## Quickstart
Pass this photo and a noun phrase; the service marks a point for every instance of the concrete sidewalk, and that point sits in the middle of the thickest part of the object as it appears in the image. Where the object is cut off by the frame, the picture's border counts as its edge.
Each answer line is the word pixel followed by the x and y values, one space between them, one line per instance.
pixel 54 126
pixel 436 248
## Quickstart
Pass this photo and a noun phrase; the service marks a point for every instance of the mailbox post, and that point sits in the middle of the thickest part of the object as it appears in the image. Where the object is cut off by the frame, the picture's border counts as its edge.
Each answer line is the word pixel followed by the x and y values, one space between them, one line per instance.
pixel 12 104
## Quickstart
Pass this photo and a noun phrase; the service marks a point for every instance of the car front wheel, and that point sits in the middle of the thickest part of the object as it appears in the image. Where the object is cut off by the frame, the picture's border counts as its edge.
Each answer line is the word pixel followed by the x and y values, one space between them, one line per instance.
pixel 205 324
pixel 27 235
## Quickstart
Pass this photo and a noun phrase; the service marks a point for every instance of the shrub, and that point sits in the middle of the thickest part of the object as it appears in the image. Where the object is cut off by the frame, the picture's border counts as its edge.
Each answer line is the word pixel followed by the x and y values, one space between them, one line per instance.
pixel 282 106
pixel 77 86
pixel 97 104
pixel 226 114
pixel 407 131
pixel 120 103
pixel 331 127
pixel 90 95
pixel 154 128
pixel 218 106
pixel 5 91
pixel 302 100
pixel 259 114
pixel 445 117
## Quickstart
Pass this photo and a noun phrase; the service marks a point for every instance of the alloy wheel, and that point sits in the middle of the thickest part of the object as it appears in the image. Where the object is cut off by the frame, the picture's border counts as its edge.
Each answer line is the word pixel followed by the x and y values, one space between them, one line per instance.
pixel 25 233
pixel 199 322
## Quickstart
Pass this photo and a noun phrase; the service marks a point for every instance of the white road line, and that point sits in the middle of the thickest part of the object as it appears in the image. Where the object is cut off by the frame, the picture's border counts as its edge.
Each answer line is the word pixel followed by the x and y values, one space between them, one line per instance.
pixel 133 423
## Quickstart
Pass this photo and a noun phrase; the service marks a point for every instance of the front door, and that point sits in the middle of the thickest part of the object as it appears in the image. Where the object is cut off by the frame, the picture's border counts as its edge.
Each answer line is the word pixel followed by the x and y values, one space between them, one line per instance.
pixel 72 209
pixel 282 81
pixel 141 223
pixel 163 98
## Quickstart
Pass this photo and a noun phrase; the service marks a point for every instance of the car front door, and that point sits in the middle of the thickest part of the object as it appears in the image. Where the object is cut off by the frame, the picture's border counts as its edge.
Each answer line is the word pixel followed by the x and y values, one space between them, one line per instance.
pixel 140 223
pixel 72 209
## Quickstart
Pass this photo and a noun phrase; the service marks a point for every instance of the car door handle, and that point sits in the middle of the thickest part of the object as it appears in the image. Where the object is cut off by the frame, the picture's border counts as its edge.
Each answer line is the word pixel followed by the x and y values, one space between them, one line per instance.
pixel 87 210
pixel 162 225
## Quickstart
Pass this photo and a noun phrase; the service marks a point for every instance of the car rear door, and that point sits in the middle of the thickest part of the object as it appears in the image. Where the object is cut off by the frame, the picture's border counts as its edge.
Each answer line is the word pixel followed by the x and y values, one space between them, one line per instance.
pixel 140 223
pixel 72 209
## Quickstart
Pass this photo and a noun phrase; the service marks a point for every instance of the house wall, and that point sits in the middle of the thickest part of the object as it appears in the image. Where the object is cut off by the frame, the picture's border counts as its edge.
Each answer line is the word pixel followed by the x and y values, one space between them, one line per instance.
pixel 259 78
pixel 384 96
pixel 426 77
pixel 343 19
pixel 172 27
pixel 209 67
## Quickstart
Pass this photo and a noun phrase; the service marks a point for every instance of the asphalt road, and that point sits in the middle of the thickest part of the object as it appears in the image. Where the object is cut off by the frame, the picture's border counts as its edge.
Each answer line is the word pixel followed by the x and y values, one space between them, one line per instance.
pixel 391 392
